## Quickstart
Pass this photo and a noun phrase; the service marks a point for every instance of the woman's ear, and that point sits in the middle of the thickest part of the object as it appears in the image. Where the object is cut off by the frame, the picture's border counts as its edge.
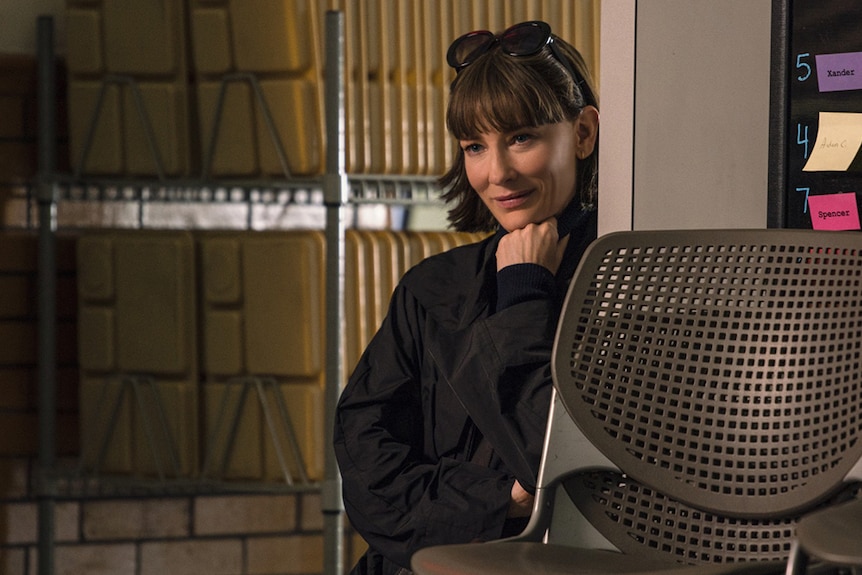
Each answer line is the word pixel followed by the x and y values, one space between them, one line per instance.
pixel 587 127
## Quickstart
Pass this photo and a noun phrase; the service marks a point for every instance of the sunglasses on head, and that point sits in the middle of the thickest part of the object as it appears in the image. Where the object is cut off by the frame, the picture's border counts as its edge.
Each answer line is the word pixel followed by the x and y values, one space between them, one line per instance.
pixel 524 39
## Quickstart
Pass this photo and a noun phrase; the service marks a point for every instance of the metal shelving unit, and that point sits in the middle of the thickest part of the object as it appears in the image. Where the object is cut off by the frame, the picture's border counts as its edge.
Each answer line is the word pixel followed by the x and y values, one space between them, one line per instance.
pixel 339 191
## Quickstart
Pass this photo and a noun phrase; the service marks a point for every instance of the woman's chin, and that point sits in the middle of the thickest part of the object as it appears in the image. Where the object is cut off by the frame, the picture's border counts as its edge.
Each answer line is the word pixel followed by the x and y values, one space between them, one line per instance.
pixel 519 220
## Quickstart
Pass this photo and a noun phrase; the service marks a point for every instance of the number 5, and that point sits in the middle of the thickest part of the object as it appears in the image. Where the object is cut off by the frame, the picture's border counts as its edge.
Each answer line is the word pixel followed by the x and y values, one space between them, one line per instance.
pixel 804 66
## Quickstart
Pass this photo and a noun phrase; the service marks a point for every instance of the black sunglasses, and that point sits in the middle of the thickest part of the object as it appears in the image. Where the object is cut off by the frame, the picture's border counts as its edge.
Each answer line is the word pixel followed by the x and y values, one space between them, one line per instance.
pixel 524 39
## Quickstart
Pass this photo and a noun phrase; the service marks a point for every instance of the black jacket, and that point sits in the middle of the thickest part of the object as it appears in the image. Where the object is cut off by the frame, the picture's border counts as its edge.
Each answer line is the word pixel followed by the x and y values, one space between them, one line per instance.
pixel 451 364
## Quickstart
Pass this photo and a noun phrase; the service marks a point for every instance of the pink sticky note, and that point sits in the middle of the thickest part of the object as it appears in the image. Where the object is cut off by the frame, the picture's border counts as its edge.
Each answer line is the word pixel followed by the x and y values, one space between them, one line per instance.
pixel 834 212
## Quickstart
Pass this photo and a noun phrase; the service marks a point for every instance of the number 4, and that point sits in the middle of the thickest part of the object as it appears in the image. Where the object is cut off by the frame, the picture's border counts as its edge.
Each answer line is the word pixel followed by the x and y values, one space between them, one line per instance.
pixel 802 139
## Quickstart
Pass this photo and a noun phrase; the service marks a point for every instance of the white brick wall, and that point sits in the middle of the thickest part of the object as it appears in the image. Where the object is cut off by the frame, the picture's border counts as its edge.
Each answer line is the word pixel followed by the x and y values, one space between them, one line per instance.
pixel 245 514
pixel 136 519
pixel 190 557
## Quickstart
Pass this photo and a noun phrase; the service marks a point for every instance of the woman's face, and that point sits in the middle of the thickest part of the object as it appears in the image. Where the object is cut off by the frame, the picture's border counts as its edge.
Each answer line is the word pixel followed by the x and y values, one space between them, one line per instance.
pixel 525 176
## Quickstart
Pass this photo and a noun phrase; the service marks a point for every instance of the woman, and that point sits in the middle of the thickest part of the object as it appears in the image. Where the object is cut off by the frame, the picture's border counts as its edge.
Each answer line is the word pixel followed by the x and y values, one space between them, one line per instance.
pixel 439 431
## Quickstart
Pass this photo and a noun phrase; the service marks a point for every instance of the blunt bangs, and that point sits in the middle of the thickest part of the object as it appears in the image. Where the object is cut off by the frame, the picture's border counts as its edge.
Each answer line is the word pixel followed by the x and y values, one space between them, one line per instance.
pixel 483 99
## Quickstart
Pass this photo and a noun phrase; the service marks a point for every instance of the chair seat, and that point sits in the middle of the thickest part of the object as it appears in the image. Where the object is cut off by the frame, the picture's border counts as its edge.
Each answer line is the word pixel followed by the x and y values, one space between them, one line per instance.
pixel 833 534
pixel 517 558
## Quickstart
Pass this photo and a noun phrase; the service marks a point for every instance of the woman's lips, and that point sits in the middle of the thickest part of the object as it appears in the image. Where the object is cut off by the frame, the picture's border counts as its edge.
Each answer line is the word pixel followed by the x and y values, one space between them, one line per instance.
pixel 512 201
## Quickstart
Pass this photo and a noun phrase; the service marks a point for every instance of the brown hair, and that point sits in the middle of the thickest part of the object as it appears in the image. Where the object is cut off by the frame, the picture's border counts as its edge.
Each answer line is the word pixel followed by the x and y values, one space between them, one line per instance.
pixel 502 93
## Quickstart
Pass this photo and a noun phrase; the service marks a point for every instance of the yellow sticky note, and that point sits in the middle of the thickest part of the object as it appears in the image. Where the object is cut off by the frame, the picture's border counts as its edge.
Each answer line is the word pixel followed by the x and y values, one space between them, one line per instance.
pixel 838 139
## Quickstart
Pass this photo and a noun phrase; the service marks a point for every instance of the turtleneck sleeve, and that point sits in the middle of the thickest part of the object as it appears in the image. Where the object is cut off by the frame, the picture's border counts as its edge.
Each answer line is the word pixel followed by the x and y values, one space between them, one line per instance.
pixel 524 282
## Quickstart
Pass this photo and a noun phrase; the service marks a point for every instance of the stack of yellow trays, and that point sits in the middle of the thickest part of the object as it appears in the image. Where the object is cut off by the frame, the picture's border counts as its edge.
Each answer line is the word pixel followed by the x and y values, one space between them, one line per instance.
pixel 262 323
pixel 129 70
pixel 265 55
pixel 137 352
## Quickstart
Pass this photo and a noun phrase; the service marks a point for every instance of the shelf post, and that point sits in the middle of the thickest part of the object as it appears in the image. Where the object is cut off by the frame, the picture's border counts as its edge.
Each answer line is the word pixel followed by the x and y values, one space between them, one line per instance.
pixel 335 197
pixel 47 280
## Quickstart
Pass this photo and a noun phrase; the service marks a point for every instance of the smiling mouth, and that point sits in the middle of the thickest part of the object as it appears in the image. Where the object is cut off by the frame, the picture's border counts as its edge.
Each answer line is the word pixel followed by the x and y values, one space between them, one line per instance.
pixel 515 200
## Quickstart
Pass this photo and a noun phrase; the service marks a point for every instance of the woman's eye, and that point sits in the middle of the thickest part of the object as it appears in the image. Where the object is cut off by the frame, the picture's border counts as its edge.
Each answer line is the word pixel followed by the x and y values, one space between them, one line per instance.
pixel 521 138
pixel 472 148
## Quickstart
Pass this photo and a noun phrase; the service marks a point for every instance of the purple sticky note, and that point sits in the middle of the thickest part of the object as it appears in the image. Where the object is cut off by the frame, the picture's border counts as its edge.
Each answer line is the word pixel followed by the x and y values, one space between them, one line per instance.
pixel 834 212
pixel 839 71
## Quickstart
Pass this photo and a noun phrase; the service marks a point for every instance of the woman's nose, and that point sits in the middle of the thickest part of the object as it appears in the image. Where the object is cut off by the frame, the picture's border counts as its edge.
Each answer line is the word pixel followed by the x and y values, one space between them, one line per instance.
pixel 500 169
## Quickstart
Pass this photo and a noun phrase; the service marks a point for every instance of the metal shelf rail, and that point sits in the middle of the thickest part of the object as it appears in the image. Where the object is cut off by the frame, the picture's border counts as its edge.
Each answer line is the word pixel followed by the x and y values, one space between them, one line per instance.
pixel 339 191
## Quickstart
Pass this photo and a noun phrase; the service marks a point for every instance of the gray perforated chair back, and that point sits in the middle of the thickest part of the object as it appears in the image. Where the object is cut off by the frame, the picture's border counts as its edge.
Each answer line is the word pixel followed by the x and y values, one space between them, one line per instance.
pixel 721 372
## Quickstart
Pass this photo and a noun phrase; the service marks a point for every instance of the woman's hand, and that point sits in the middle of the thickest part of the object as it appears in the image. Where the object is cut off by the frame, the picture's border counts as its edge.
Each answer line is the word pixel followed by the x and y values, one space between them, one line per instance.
pixel 521 503
pixel 532 244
